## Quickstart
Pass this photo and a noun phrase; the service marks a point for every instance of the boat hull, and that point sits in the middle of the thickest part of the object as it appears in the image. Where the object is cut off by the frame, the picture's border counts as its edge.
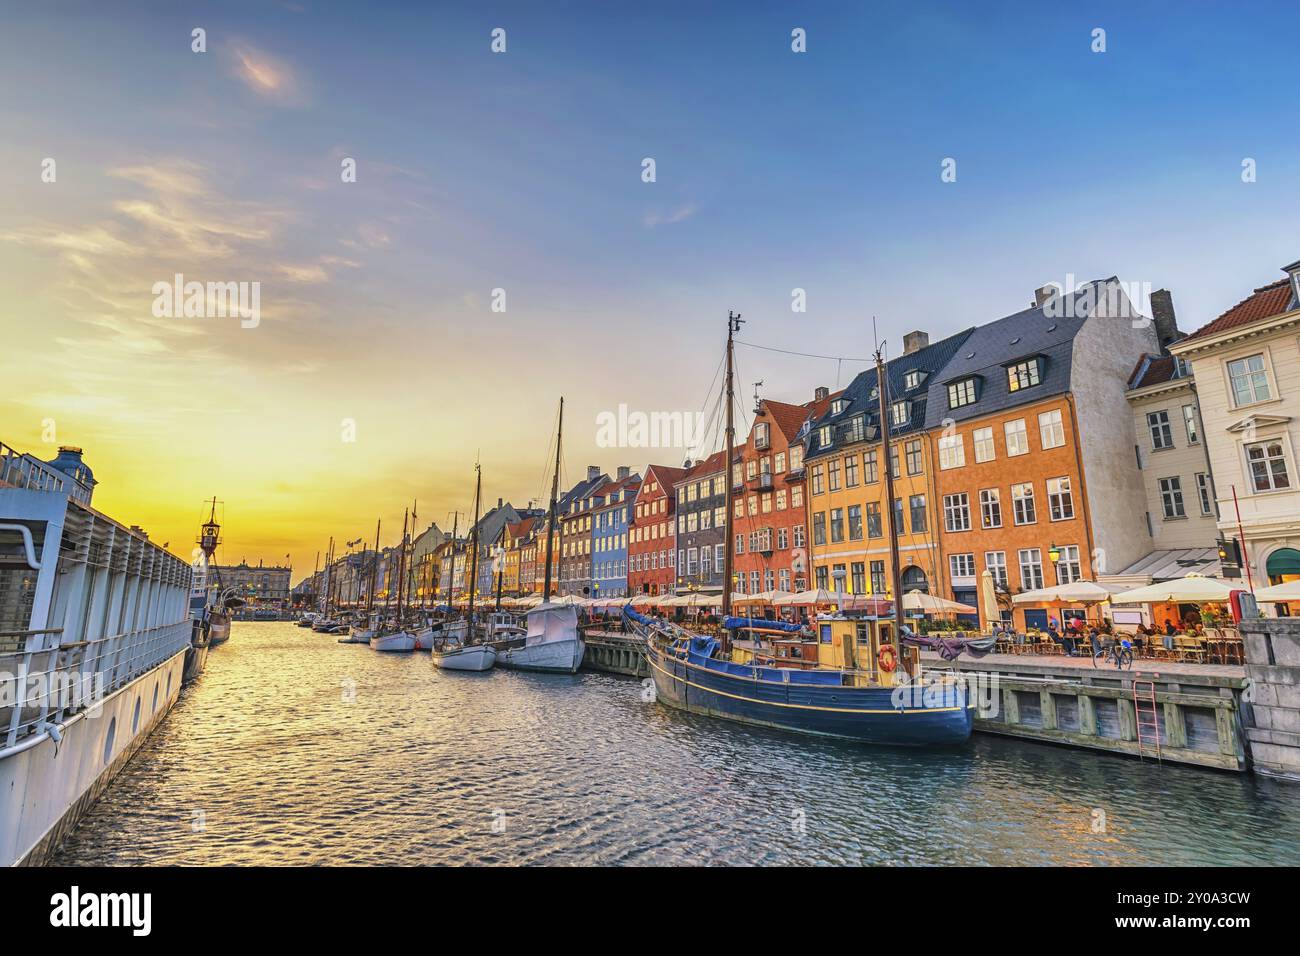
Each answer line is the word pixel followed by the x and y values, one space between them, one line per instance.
pixel 219 632
pixel 401 641
pixel 196 659
pixel 472 657
pixel 863 714
pixel 555 657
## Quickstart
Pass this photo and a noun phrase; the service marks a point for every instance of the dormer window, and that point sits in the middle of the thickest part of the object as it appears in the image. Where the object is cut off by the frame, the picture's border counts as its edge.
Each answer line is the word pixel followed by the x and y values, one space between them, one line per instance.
pixel 855 430
pixel 1023 375
pixel 824 436
pixel 961 393
pixel 837 406
pixel 899 413
pixel 913 379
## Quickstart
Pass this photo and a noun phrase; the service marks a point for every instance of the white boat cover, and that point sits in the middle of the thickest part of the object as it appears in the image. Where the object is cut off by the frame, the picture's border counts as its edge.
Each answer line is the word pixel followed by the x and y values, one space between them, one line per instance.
pixel 551 622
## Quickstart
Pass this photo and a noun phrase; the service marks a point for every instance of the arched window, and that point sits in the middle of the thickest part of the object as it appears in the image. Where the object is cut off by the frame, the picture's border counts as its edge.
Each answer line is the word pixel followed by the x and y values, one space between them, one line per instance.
pixel 914 579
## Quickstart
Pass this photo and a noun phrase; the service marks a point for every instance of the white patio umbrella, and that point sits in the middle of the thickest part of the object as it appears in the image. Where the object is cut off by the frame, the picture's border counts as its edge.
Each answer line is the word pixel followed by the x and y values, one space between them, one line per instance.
pixel 1290 591
pixel 933 604
pixel 1076 592
pixel 1192 589
pixel 815 597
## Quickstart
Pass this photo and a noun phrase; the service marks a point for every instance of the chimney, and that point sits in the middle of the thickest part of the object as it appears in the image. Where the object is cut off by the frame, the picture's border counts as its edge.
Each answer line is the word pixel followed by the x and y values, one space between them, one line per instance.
pixel 593 472
pixel 623 472
pixel 1042 294
pixel 915 341
pixel 1162 314
pixel 500 502
pixel 820 393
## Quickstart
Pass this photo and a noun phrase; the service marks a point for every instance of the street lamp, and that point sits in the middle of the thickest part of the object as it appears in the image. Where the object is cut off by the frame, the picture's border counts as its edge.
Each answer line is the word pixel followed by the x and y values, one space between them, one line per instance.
pixel 1054 554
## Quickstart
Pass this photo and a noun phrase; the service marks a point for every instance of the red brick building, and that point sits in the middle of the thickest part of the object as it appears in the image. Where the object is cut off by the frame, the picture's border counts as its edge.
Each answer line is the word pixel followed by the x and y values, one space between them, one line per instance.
pixel 651 537
pixel 771 524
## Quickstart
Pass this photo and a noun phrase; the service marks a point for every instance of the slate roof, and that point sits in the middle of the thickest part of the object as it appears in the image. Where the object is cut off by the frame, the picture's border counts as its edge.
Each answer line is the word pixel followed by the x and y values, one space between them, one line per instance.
pixel 1264 302
pixel 858 398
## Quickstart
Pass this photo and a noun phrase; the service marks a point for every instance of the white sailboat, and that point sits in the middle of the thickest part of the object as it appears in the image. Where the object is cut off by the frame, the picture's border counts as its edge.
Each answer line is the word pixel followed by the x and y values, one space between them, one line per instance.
pixel 464 652
pixel 552 642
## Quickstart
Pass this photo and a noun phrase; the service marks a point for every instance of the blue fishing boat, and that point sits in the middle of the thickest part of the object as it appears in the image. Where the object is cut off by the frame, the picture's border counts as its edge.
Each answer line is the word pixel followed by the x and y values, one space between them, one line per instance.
pixel 870 705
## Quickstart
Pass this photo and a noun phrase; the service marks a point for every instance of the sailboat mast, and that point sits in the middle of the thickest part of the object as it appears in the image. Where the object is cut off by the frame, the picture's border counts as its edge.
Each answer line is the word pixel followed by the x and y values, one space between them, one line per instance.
pixel 734 322
pixel 374 564
pixel 451 574
pixel 473 574
pixel 896 572
pixel 550 514
pixel 401 565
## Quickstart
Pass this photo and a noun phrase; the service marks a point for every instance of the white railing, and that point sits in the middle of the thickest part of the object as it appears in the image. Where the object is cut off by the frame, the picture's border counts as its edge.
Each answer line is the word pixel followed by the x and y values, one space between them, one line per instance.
pixel 46 680
pixel 22 471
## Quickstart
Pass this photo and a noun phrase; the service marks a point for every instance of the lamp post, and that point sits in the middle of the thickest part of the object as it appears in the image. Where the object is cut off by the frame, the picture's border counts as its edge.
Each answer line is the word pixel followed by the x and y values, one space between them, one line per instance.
pixel 1054 555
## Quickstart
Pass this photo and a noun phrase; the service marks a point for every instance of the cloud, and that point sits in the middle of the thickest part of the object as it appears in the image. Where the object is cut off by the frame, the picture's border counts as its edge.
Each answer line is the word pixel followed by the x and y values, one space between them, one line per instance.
pixel 266 75
pixel 656 217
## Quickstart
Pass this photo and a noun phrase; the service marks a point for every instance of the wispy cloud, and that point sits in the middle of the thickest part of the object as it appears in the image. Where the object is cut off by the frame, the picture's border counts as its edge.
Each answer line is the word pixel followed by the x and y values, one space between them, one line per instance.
pixel 657 217
pixel 265 74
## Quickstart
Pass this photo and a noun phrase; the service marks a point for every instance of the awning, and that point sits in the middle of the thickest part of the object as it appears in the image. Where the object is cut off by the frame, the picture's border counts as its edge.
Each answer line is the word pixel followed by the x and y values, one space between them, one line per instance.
pixel 1165 566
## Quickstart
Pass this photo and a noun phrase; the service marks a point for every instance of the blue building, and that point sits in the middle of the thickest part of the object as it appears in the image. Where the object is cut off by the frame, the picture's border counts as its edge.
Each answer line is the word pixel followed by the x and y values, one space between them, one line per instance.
pixel 611 514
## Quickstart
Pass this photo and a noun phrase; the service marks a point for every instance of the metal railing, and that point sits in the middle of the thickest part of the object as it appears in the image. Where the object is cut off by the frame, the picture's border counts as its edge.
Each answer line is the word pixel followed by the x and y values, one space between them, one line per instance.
pixel 22 471
pixel 47 680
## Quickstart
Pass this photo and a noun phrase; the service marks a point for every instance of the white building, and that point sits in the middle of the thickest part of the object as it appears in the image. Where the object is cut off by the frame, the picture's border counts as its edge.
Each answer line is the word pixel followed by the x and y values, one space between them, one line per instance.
pixel 1246 365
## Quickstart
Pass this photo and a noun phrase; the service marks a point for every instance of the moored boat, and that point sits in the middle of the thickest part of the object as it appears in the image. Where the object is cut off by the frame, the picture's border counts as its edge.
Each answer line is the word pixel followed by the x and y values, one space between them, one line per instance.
pixel 551 642
pixel 464 657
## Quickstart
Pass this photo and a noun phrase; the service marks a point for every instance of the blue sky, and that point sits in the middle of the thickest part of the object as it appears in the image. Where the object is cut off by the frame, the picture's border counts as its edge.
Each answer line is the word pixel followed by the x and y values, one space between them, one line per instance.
pixel 521 171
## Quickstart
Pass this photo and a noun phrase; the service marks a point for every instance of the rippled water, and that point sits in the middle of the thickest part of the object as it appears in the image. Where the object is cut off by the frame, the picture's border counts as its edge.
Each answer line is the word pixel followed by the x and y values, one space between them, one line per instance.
pixel 269 759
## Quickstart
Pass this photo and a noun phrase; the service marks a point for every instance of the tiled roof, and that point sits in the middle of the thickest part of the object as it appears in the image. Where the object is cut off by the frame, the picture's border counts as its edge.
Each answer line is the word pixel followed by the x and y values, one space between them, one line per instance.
pixel 708 466
pixel 1153 370
pixel 1263 303
pixel 666 475
pixel 788 418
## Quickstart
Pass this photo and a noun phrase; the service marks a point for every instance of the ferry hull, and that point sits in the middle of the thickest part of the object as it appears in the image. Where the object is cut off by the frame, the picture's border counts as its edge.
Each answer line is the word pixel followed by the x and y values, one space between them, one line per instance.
pixel 46 788
pixel 865 715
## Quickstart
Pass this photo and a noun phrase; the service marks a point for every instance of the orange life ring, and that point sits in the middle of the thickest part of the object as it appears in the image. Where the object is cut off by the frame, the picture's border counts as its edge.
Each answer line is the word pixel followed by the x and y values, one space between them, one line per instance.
pixel 888 660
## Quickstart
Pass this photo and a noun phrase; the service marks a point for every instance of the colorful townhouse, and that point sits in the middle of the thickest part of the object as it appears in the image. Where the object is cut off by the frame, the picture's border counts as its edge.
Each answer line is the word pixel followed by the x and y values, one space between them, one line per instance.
pixel 848 508
pixel 770 517
pixel 1036 479
pixel 700 506
pixel 1246 365
pixel 575 535
pixel 514 537
pixel 652 533
pixel 611 517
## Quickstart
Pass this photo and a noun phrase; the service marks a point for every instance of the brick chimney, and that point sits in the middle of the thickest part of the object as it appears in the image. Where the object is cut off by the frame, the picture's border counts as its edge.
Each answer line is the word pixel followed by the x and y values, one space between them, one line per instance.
pixel 820 393
pixel 915 341
pixel 593 472
pixel 1043 293
pixel 623 472
pixel 1162 314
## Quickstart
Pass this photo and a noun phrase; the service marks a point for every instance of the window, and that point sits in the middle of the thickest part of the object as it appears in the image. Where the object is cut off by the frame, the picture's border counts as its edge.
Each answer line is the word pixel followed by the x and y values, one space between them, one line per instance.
pixel 1189 423
pixel 837 406
pixel 761 435
pixel 1022 503
pixel 1161 434
pixel 824 436
pixel 1205 492
pixel 961 393
pixel 1022 375
pixel 1060 500
pixel 779 465
pixel 823 577
pixel 917 505
pixel 799 539
pixel 818 480
pixel 878 585
pixel 782 539
pixel 898 516
pixel 851 471
pixel 706 561
pixel 784 577
pixel 1017 438
pixel 1068 569
pixel 983 440
pixel 898 413
pixel 996 563
pixel 1171 497
pixel 819 528
pixel 855 522
pixel 796 496
pixel 769 580
pixel 913 450
pixel 740 544
pixel 962 565
pixel 751 504
pixel 856 430
pixel 893 461
pixel 837 525
pixel 692 557
pixel 1031 568
pixel 781 500
pixel 911 380
pixel 1249 380
pixel 991 508
pixel 1267 466
pixel 751 469
pixel 1051 430
pixel 857 578
pixel 833 470
pixel 956 512
pixel 952 452
pixel 796 458
pixel 871 466
pixel 874 527
pixel 706 520
pixel 719 555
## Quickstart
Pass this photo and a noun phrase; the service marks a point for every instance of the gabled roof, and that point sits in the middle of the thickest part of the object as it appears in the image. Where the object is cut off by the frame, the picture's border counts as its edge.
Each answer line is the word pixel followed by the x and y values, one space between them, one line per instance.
pixel 1265 302
pixel 708 466
pixel 613 486
pixel 1155 370
pixel 666 475
pixel 789 418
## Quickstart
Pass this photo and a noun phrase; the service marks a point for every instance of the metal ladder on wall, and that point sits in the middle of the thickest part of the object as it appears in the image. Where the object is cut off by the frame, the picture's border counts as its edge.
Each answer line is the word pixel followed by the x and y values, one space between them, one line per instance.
pixel 1146 713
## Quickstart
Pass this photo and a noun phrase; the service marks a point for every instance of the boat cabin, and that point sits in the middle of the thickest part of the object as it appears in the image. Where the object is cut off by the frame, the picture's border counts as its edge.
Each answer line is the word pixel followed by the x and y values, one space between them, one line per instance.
pixel 855 643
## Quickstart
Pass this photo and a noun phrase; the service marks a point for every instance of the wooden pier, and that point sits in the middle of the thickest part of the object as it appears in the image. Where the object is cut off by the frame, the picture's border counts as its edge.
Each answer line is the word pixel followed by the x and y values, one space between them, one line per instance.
pixel 1198 710
pixel 615 653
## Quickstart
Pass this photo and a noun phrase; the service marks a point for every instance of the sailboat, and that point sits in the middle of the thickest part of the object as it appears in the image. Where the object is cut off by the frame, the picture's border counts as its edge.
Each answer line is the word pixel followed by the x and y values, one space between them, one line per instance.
pixel 863 686
pixel 361 631
pixel 399 637
pixel 551 641
pixel 465 652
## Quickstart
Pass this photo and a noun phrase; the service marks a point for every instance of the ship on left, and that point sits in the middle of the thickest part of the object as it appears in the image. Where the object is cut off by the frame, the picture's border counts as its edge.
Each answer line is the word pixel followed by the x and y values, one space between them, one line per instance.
pixel 95 627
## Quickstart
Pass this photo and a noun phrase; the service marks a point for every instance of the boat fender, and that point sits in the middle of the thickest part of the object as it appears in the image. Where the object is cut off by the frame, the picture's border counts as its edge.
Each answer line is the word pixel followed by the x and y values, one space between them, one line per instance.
pixel 888 659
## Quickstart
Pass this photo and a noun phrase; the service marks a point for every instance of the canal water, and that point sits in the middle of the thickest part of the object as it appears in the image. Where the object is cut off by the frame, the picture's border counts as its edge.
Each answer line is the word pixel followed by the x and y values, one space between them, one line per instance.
pixel 295 749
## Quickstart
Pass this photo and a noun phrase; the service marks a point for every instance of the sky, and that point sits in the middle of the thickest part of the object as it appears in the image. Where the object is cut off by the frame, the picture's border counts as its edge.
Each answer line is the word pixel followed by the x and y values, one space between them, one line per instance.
pixel 380 367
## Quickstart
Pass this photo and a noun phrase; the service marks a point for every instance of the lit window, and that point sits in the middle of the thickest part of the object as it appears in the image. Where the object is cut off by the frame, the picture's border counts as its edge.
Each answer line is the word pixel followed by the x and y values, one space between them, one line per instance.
pixel 1022 375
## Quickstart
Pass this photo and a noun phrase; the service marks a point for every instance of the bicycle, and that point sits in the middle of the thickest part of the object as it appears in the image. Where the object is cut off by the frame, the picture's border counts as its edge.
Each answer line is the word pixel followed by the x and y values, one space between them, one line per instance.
pixel 1120 653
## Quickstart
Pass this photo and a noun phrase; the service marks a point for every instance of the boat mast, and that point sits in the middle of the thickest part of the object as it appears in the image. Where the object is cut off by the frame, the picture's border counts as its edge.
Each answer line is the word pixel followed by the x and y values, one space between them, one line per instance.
pixel 374 564
pixel 896 572
pixel 473 535
pixel 451 574
pixel 550 514
pixel 734 321
pixel 401 566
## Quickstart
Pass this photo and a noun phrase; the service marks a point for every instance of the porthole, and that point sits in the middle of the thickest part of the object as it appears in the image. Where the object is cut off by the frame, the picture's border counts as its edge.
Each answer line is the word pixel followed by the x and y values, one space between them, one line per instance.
pixel 109 739
pixel 155 698
pixel 135 717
